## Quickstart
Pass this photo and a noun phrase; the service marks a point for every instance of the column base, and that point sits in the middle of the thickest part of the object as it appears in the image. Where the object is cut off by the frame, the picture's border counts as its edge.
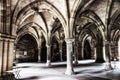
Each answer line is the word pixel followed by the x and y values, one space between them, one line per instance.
pixel 108 66
pixel 48 64
pixel 39 61
pixel 69 71
pixel 99 61
pixel 75 62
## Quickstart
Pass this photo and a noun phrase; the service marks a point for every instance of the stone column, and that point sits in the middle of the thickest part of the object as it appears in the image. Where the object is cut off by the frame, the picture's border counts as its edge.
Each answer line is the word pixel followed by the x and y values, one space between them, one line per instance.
pixel 5 13
pixel 14 54
pixel 94 52
pixel 82 52
pixel 48 64
pixel 6 55
pixel 119 49
pixel 69 45
pixel 116 53
pixel 108 58
pixel 39 57
pixel 112 48
pixel 60 49
pixel 75 53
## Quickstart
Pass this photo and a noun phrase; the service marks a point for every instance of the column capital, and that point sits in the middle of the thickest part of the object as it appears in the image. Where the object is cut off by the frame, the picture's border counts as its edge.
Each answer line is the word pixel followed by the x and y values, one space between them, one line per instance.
pixel 69 40
pixel 47 45
pixel 61 41
pixel 39 48
pixel 106 42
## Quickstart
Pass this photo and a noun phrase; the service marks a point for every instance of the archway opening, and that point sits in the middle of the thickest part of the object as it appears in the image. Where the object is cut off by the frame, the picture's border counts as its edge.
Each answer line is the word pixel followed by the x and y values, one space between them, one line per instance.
pixel 87 50
pixel 43 51
pixel 64 51
pixel 55 54
pixel 26 49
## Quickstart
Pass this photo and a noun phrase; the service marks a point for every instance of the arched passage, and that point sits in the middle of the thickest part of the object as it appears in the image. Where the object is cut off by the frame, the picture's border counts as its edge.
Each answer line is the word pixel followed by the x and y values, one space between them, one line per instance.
pixel 55 55
pixel 43 53
pixel 114 35
pixel 26 49
pixel 88 23
pixel 87 50
pixel 87 35
pixel 64 51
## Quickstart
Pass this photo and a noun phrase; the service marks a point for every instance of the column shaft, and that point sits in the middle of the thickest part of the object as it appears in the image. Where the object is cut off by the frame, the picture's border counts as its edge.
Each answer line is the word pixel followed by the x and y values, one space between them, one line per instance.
pixel 48 56
pixel 108 58
pixel 1 56
pixel 69 70
pixel 61 58
pixel 6 55
pixel 39 56
pixel 75 54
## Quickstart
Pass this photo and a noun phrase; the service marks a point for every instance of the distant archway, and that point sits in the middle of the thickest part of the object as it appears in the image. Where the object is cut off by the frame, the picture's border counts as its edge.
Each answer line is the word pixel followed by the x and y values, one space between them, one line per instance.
pixel 26 49
pixel 55 54
pixel 87 50
pixel 64 51
pixel 88 24
pixel 43 53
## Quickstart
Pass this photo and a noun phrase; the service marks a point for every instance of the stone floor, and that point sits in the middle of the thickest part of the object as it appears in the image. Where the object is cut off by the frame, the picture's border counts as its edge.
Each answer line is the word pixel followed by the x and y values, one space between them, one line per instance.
pixel 85 70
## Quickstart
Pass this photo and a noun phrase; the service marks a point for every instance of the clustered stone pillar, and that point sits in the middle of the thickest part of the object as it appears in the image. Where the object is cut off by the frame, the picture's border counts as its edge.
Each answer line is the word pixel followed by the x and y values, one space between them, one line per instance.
pixel 82 54
pixel 116 53
pixel 119 49
pixel 92 53
pixel 48 55
pixel 107 53
pixel 69 45
pixel 39 52
pixel 6 55
pixel 61 42
pixel 75 53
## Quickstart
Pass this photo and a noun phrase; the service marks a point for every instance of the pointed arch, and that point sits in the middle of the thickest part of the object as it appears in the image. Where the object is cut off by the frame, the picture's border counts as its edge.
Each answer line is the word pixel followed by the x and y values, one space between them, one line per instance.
pixel 27 32
pixel 89 16
pixel 38 29
pixel 113 28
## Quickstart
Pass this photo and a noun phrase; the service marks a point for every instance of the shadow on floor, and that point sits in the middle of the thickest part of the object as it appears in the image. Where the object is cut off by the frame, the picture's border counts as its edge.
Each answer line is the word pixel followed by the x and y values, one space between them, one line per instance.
pixel 12 77
pixel 30 78
pixel 92 78
pixel 91 71
pixel 7 77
